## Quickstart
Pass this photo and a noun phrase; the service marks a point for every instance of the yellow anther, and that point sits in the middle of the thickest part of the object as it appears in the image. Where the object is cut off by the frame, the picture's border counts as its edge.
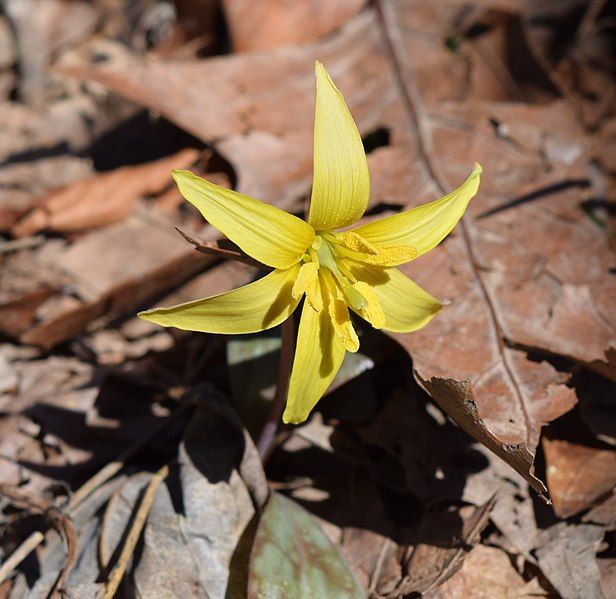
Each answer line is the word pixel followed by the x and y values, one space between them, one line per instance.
pixel 356 243
pixel 392 255
pixel 341 321
pixel 307 282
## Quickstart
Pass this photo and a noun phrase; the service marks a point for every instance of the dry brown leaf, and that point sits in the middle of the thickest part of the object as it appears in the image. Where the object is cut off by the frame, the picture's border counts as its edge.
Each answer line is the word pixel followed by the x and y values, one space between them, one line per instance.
pixel 107 273
pixel 444 540
pixel 266 25
pixel 235 101
pixel 568 560
pixel 487 573
pixel 487 254
pixel 577 475
pixel 102 199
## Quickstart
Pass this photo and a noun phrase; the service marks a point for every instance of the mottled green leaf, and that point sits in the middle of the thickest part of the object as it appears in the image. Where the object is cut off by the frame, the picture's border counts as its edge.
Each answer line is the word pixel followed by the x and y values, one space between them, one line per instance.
pixel 292 557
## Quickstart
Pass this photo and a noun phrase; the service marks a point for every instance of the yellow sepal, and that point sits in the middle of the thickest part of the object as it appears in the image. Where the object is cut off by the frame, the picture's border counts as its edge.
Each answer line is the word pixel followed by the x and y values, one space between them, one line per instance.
pixel 266 233
pixel 254 307
pixel 405 305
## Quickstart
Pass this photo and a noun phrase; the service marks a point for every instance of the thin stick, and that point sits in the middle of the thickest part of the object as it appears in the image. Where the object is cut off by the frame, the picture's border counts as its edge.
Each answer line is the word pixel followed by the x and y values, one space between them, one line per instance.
pixel 218 249
pixel 111 469
pixel 134 533
pixel 21 244
pixel 20 554
pixel 266 440
pixel 103 475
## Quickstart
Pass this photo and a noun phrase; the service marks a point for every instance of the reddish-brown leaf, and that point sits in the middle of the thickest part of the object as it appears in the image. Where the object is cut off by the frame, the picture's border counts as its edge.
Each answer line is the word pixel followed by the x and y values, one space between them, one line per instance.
pixel 266 25
pixel 102 199
pixel 577 475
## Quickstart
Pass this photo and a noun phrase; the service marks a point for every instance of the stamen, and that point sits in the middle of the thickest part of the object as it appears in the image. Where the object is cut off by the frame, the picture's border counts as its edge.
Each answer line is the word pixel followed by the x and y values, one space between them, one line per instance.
pixel 326 256
pixel 307 282
pixel 339 314
pixel 357 243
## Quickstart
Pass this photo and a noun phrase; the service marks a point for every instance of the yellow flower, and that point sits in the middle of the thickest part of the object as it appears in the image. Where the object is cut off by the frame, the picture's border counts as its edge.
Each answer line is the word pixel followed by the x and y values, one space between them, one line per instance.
pixel 335 270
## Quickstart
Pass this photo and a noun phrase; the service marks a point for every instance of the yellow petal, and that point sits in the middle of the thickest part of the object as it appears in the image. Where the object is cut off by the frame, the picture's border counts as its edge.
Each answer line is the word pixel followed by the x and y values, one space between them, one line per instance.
pixel 423 227
pixel 318 357
pixel 405 305
pixel 263 231
pixel 372 311
pixel 255 307
pixel 341 183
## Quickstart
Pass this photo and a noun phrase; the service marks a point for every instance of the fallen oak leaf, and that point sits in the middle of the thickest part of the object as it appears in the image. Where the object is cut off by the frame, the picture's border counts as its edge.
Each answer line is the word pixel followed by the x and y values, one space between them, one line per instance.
pixel 102 199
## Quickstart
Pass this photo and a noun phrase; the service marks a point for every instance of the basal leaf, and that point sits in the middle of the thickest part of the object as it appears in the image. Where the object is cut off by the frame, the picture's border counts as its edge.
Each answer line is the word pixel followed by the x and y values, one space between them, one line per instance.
pixel 292 557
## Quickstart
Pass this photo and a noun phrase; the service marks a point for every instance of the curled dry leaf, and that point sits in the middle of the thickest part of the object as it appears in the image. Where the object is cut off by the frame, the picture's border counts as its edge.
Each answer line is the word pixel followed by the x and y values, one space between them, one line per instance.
pixel 577 475
pixel 102 199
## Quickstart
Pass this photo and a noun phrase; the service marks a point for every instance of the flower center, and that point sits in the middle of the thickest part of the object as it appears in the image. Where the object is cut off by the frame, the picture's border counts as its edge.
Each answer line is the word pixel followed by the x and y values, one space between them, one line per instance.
pixel 323 247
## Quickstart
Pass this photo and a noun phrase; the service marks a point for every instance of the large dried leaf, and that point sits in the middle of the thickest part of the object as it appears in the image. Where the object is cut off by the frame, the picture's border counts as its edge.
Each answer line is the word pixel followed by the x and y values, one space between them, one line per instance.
pixel 465 358
pixel 292 557
pixel 235 100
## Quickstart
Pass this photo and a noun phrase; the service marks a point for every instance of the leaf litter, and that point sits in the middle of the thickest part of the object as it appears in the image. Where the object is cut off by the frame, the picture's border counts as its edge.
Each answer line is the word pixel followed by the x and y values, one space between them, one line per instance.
pixel 396 498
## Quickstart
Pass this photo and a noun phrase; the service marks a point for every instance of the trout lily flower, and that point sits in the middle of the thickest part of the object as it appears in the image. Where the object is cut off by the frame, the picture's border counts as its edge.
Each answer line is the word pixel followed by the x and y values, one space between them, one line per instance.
pixel 336 271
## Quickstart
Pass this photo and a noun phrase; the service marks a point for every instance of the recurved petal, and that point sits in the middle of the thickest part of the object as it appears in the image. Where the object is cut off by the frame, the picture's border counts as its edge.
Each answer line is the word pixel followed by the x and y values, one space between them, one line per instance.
pixel 405 305
pixel 263 231
pixel 254 307
pixel 423 227
pixel 318 357
pixel 341 183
